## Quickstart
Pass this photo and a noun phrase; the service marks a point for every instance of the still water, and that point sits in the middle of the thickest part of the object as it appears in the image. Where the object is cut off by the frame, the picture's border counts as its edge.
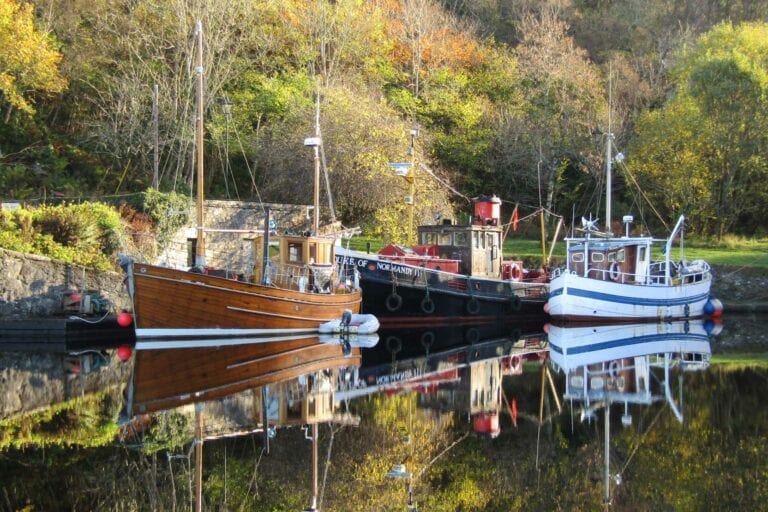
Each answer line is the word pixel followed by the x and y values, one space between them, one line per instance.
pixel 445 417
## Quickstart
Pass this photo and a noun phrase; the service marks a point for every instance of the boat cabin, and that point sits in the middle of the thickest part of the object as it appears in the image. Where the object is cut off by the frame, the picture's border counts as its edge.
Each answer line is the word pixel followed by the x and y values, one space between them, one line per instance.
pixel 304 263
pixel 476 246
pixel 622 261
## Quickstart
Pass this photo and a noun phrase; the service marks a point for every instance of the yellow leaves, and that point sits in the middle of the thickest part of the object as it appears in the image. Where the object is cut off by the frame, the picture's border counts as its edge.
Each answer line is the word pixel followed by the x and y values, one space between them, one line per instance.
pixel 27 58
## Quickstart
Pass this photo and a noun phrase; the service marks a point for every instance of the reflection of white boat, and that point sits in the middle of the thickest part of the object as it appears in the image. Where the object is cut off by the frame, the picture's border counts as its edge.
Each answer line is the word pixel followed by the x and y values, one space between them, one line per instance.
pixel 609 364
pixel 571 347
pixel 613 363
pixel 354 340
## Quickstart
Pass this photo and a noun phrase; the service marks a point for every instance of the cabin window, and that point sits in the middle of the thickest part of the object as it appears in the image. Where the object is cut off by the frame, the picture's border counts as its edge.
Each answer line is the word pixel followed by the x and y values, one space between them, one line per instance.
pixel 577 257
pixel 428 238
pixel 312 253
pixel 598 257
pixel 445 239
pixel 642 253
pixel 491 240
pixel 294 252
pixel 461 239
pixel 617 256
pixel 477 240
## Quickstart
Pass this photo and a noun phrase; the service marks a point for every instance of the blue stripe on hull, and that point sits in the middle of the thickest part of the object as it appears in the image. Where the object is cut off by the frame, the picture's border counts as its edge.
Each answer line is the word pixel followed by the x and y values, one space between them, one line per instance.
pixel 635 301
pixel 623 342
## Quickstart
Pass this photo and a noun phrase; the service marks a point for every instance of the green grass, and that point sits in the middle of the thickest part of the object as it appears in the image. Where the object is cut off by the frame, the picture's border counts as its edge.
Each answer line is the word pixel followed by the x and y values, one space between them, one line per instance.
pixel 731 251
pixel 741 359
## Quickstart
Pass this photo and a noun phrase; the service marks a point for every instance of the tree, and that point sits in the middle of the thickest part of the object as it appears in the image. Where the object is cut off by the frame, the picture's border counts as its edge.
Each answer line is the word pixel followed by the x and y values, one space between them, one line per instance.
pixel 28 59
pixel 566 104
pixel 719 112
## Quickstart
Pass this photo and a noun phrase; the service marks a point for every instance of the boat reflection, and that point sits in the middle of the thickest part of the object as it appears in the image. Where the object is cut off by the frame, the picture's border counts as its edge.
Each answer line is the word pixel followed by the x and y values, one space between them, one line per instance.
pixel 452 368
pixel 168 378
pixel 626 364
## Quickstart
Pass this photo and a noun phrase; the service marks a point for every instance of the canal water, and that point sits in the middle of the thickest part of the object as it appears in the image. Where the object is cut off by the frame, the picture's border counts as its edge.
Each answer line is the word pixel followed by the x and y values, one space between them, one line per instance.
pixel 535 416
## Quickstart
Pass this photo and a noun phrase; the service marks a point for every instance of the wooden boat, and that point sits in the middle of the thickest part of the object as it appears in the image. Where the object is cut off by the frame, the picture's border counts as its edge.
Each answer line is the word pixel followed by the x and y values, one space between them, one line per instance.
pixel 613 278
pixel 456 271
pixel 300 290
pixel 165 379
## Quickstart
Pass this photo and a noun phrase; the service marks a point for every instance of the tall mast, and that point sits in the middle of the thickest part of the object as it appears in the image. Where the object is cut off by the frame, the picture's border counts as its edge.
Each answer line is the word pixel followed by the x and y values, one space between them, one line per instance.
pixel 200 252
pixel 608 184
pixel 316 198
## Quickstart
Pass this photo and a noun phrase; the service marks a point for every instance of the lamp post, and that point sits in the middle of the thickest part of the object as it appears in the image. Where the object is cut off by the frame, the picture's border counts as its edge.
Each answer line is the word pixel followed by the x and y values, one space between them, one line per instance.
pixel 399 471
pixel 406 170
pixel 226 108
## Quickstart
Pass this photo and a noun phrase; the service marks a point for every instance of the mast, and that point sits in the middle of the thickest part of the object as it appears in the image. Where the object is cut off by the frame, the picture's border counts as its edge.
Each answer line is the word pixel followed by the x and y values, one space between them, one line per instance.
pixel 200 251
pixel 316 196
pixel 608 184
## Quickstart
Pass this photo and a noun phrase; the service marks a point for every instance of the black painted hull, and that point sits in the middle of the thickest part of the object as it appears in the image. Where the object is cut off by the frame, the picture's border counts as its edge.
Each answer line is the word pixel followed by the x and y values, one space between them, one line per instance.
pixel 398 293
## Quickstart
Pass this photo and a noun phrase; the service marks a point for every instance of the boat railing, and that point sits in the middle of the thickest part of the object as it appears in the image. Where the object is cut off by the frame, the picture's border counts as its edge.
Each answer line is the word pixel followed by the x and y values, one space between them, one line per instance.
pixel 305 278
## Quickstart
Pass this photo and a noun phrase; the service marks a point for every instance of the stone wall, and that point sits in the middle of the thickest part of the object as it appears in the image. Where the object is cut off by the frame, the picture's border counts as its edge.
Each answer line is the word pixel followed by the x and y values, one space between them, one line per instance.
pixel 33 286
pixel 234 226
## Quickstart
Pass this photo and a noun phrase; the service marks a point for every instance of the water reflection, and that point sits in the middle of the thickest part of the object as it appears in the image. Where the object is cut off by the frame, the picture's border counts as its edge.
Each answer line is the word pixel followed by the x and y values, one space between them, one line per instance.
pixel 626 364
pixel 452 406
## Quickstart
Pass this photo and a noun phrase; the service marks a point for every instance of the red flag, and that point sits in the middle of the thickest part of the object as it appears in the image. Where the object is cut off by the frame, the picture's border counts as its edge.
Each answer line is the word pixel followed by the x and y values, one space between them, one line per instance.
pixel 514 219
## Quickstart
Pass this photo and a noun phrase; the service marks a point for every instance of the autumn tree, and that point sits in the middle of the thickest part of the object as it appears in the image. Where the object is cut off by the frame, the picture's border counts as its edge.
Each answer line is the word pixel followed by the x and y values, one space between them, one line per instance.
pixel 705 148
pixel 29 60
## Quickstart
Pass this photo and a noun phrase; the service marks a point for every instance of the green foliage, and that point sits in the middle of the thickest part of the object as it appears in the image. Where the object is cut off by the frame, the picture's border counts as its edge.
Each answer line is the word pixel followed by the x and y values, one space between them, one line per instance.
pixel 706 146
pixel 169 431
pixel 169 212
pixel 86 422
pixel 85 234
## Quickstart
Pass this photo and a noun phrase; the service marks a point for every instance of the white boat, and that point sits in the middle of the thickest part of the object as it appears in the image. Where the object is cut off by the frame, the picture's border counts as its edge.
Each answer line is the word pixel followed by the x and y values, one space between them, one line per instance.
pixel 613 278
pixel 351 323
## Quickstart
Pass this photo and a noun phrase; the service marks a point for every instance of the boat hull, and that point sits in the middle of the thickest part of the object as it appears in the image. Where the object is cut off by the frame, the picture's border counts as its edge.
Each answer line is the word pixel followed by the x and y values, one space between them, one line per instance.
pixel 170 302
pixel 576 298
pixel 574 347
pixel 165 379
pixel 398 292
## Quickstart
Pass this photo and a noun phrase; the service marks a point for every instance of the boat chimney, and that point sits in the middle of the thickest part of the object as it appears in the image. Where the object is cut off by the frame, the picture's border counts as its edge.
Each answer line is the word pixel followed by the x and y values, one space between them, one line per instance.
pixel 627 219
pixel 487 211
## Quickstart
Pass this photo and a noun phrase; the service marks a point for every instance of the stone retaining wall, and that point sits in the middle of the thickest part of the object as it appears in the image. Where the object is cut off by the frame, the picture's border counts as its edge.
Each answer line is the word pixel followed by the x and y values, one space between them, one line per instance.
pixel 33 286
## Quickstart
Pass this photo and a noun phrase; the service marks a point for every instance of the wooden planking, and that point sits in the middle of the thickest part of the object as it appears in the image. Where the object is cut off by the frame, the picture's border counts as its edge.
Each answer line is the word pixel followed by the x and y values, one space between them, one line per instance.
pixel 165 377
pixel 172 298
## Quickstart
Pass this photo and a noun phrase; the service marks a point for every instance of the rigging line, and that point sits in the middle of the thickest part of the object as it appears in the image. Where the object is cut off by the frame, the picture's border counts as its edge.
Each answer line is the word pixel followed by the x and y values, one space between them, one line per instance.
pixel 640 442
pixel 634 182
pixel 444 183
pixel 327 464
pixel 248 166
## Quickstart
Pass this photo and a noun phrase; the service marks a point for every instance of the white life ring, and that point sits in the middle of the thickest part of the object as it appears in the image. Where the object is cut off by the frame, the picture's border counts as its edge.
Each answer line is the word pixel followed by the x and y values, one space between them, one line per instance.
pixel 614 272
pixel 515 272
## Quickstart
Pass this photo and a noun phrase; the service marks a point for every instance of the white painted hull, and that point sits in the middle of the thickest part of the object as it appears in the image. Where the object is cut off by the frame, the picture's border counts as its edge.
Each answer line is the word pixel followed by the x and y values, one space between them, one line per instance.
pixel 574 297
pixel 573 347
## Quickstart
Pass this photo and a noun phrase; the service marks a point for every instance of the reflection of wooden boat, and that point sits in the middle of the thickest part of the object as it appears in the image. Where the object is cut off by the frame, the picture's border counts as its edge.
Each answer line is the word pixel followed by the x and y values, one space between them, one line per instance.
pixel 613 278
pixel 457 270
pixel 165 379
pixel 299 291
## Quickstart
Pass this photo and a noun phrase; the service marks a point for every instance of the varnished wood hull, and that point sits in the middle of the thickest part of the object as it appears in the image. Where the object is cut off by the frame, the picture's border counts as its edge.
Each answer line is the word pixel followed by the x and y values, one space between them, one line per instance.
pixel 169 302
pixel 165 379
